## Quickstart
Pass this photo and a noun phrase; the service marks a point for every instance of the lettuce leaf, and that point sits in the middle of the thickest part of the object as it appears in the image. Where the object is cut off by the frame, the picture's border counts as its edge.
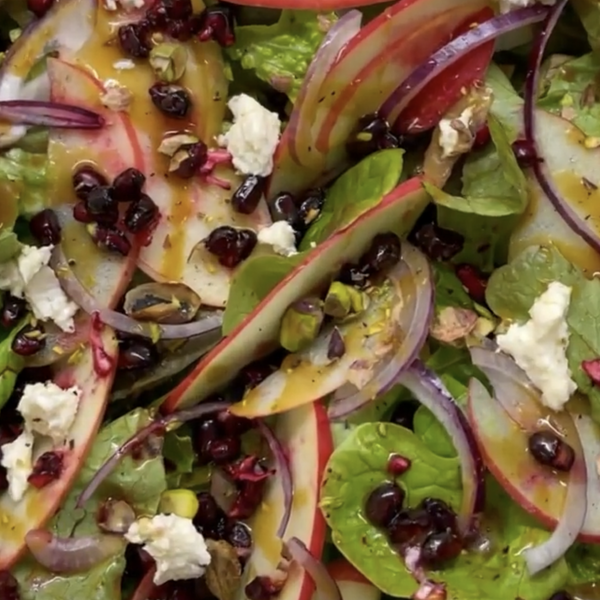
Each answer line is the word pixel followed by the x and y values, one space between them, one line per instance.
pixel 280 54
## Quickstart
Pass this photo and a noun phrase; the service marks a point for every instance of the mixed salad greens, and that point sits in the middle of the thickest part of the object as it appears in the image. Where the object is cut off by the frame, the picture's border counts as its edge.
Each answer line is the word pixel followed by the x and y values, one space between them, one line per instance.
pixel 300 300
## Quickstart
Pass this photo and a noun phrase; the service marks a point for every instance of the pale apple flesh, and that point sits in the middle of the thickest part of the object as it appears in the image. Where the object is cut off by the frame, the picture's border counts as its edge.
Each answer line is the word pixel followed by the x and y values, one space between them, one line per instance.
pixel 306 437
pixel 258 334
pixel 39 505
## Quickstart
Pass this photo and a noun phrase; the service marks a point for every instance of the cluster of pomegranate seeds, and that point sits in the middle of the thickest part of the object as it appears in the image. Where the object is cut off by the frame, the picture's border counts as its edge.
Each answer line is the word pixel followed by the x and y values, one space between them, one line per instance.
pixel 13 310
pixel 45 227
pixel 474 282
pixel 99 207
pixel 300 212
pixel 231 245
pixel 47 468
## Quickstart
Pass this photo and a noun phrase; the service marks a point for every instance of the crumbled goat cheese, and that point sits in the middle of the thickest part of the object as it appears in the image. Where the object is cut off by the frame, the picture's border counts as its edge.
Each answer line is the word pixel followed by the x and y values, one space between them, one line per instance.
pixel 539 346
pixel 507 6
pixel 174 543
pixel 29 275
pixel 116 97
pixel 49 410
pixel 450 134
pixel 253 137
pixel 17 459
pixel 281 236
pixel 124 64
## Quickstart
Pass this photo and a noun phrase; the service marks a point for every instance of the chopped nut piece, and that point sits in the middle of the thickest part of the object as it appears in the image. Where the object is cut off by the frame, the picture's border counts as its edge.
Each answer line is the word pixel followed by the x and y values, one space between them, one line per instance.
pixel 116 97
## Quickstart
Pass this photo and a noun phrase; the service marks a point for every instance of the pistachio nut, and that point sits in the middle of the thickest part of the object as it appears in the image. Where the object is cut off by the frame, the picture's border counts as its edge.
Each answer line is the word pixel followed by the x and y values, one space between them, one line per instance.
pixel 182 503
pixel 301 324
pixel 172 143
pixel 342 300
pixel 168 61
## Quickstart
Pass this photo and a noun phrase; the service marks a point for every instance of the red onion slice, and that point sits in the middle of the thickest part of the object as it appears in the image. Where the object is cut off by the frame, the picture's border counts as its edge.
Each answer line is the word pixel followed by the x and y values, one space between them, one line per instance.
pixel 209 325
pixel 146 587
pixel 578 222
pixel 71 555
pixel 326 586
pixel 431 392
pixel 299 124
pixel 415 319
pixel 456 49
pixel 158 426
pixel 282 465
pixel 49 114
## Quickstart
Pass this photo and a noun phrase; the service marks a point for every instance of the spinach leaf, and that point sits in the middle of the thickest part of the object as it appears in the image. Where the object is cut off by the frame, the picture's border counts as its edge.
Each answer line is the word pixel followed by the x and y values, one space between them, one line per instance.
pixel 10 365
pixel 356 191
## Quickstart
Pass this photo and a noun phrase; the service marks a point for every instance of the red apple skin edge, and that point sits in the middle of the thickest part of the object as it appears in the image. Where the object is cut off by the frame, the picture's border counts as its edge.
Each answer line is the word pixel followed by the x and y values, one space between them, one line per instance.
pixel 353 584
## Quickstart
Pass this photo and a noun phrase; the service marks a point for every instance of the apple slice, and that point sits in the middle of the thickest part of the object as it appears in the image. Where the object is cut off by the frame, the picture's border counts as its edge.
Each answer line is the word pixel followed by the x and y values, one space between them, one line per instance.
pixel 259 331
pixel 504 447
pixel 366 72
pixel 39 505
pixel 353 584
pixel 574 170
pixel 306 437
pixel 62 31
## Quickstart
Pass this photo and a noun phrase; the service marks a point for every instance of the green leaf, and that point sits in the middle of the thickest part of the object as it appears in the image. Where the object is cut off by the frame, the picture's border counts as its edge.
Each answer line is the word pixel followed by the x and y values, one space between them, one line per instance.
pixel 23 180
pixel 432 433
pixel 449 291
pixel 573 93
pixel 281 53
pixel 512 290
pixel 100 583
pixel 9 245
pixel 10 365
pixel 589 13
pixel 252 282
pixel 507 106
pixel 357 467
pixel 494 194
pixel 359 189
pixel 178 452
pixel 139 482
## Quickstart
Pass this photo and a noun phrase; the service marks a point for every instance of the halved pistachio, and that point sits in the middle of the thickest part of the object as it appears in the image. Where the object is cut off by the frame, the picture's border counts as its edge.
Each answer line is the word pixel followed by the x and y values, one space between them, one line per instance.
pixel 168 60
pixel 341 300
pixel 301 324
pixel 162 303
pixel 171 143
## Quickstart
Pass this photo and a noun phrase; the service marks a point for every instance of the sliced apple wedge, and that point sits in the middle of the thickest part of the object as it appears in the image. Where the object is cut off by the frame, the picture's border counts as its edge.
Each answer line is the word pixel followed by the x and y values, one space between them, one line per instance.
pixel 504 447
pixel 259 332
pixel 39 505
pixel 306 437
pixel 353 584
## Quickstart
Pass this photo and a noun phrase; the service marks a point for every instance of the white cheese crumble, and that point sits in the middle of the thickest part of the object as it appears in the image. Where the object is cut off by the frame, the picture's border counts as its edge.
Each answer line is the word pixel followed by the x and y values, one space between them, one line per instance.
pixel 29 275
pixel 253 137
pixel 174 543
pixel 113 5
pixel 124 64
pixel 49 410
pixel 539 345
pixel 281 236
pixel 116 97
pixel 449 139
pixel 507 6
pixel 17 459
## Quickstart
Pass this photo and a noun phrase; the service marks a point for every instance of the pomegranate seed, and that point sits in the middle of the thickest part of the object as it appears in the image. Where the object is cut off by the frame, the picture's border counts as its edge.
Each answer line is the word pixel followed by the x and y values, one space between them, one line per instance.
pixel 133 40
pixel 172 100
pixel 45 227
pixel 216 23
pixel 525 153
pixel 550 450
pixel 81 213
pixel 110 239
pixel 140 214
pixel 39 7
pixel 29 340
pixel 9 587
pixel 438 243
pixel 592 369
pixel 85 180
pixel 136 354
pixel 397 465
pixel 474 282
pixel 13 310
pixel 128 185
pixel 246 198
pixel 48 468
pixel 482 137
pixel 102 206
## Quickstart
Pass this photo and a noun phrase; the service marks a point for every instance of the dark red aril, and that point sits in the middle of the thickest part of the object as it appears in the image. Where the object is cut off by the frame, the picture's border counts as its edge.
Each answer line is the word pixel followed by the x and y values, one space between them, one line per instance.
pixel 85 179
pixel 438 243
pixel 562 595
pixel 283 208
pixel 29 340
pixel 181 30
pixel 225 450
pixel 232 425
pixel 217 23
pixel 249 497
pixel 383 253
pixel 246 198
pixel 134 39
pixel 172 100
pixel 128 185
pixel 208 511
pixel 39 7
pixel 311 206
pixel 3 477
pixel 525 153
pixel 474 282
pixel 45 227
pixel 254 374
pixel 439 548
pixel 177 9
pixel 137 354
pixel 383 504
pixel 482 137
pixel 404 413
pixel 190 158
pixel 592 369
pixel 230 245
pixel 102 206
pixel 141 214
pixel 9 586
pixel 207 433
pixel 371 133
pixel 398 465
pixel 111 239
pixel 81 213
pixel 239 535
pixel 442 516
pixel 47 468
pixel 248 468
pixel 550 450
pixel 13 310
pixel 409 526
pixel 354 275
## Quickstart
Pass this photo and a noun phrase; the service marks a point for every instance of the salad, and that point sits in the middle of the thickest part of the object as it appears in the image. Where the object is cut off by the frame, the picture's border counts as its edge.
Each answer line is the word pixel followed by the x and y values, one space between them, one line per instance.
pixel 300 300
